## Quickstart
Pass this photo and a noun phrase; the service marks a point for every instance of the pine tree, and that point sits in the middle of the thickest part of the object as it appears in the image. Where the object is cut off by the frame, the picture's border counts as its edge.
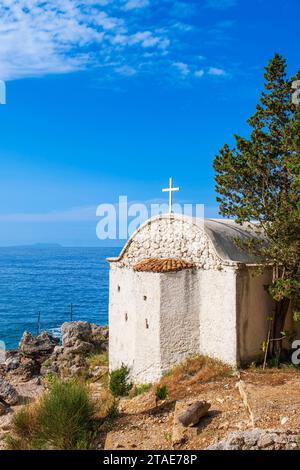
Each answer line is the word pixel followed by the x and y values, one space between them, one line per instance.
pixel 259 180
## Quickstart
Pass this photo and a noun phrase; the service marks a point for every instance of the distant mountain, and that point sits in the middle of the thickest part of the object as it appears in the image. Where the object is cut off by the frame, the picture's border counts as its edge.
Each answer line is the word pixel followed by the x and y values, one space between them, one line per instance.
pixel 46 245
pixel 41 245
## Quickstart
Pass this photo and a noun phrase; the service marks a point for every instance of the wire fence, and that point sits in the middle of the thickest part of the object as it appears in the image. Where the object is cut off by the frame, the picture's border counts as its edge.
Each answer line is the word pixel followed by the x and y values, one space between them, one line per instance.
pixel 49 319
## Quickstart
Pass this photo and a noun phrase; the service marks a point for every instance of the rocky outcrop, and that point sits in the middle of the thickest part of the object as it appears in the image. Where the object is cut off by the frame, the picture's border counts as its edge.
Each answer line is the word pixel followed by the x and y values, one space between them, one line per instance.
pixel 23 367
pixel 79 340
pixel 257 439
pixel 8 393
pixel 25 362
pixel 38 348
pixel 42 354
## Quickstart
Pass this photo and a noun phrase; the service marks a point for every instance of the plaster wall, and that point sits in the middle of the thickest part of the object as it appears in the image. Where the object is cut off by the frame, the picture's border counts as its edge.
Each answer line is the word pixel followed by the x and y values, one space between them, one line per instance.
pixel 217 314
pixel 179 318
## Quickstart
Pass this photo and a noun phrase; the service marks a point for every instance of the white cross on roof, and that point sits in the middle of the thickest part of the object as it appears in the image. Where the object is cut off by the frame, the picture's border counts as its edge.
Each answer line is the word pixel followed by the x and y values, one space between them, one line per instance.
pixel 170 190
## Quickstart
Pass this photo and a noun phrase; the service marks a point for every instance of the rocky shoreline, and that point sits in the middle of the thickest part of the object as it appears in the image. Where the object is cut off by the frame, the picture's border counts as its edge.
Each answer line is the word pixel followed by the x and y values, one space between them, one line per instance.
pixel 23 373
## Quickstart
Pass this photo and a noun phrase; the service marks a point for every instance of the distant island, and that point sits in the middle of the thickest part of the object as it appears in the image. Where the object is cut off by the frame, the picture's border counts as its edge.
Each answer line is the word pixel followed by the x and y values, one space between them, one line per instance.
pixel 40 245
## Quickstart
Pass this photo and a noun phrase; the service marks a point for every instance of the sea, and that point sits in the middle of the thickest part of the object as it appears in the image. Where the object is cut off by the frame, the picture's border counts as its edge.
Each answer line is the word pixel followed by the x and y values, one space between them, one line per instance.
pixel 43 287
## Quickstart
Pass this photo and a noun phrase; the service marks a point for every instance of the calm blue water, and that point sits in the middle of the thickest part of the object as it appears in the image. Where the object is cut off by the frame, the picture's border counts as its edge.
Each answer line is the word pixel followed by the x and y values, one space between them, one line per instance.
pixel 49 280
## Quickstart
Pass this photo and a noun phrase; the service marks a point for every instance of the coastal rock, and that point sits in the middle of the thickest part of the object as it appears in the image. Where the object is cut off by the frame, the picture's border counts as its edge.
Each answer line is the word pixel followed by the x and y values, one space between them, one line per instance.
pixel 79 340
pixel 73 331
pixel 8 394
pixel 18 365
pixel 38 348
pixel 80 347
pixel 12 360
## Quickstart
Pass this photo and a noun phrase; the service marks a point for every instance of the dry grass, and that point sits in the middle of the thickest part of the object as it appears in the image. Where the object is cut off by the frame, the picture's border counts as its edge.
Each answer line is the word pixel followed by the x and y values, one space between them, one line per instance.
pixel 98 359
pixel 105 404
pixel 196 370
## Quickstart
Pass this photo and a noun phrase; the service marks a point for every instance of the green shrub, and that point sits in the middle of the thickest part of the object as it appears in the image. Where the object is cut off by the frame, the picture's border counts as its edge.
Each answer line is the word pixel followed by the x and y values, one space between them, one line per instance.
pixel 161 393
pixel 112 411
pixel 139 390
pixel 118 382
pixel 61 420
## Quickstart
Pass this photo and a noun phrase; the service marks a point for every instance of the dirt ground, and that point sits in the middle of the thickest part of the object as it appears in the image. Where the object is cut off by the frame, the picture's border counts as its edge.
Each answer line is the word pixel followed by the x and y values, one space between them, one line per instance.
pixel 239 401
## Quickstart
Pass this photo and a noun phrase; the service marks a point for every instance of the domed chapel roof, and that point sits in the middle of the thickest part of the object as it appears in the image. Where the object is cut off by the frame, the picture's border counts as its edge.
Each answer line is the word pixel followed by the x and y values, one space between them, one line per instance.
pixel 198 242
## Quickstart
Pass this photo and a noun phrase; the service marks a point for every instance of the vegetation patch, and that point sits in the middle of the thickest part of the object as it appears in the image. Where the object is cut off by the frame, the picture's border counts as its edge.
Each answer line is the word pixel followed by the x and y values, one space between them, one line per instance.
pixel 161 393
pixel 119 384
pixel 98 359
pixel 62 419
pixel 139 390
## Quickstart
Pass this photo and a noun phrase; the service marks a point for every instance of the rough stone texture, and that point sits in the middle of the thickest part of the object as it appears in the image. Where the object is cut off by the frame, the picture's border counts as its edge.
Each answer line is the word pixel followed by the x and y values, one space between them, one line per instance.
pixel 23 367
pixel 171 237
pixel 8 393
pixel 187 413
pixel 193 413
pixel 257 439
pixel 79 339
pixel 39 347
pixel 206 242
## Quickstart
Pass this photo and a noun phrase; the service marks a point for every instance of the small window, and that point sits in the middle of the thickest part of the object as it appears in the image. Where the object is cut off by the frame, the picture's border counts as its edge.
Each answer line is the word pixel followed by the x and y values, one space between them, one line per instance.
pixel 147 324
pixel 119 288
pixel 145 297
pixel 126 316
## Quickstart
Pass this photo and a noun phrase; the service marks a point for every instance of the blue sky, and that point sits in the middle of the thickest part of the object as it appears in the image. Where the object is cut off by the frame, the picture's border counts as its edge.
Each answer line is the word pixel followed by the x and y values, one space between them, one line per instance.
pixel 113 97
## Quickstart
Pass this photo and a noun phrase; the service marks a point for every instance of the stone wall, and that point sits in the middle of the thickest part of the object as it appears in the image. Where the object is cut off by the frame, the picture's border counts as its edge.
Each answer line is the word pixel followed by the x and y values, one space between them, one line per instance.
pixel 171 237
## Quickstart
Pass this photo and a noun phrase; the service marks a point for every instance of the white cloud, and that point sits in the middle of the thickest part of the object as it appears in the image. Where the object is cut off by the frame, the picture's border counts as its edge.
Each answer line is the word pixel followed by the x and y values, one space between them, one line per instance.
pixel 182 68
pixel 61 36
pixel 126 70
pixel 133 4
pixel 38 38
pixel 199 73
pixel 216 72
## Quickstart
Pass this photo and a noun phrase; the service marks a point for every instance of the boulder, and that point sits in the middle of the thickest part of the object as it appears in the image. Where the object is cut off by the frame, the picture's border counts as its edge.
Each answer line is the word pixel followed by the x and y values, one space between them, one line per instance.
pixel 73 331
pixel 77 332
pixel 38 348
pixel 80 347
pixel 192 415
pixel 79 340
pixel 8 394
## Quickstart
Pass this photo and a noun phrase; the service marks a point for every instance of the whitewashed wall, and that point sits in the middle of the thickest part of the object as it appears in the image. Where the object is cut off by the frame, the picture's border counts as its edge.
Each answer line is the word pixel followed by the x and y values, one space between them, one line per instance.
pixel 121 331
pixel 147 367
pixel 169 317
pixel 217 314
pixel 179 318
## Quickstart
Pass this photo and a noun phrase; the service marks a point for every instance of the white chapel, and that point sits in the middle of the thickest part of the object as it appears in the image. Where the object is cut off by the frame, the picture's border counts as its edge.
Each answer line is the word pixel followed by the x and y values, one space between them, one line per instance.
pixel 181 286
